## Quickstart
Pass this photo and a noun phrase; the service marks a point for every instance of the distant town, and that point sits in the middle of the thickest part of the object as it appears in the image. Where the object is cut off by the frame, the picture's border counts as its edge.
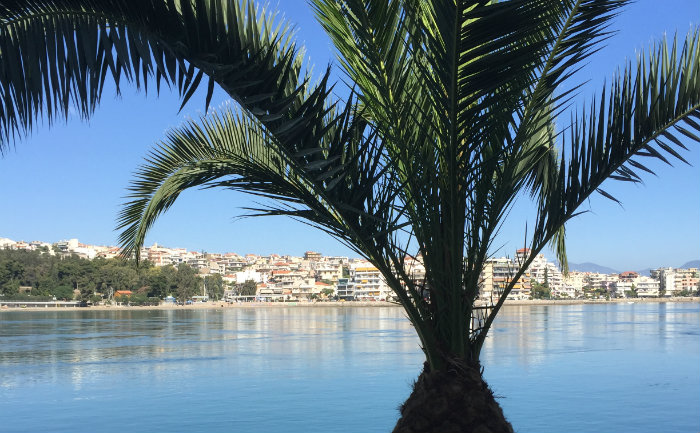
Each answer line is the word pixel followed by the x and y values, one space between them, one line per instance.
pixel 314 277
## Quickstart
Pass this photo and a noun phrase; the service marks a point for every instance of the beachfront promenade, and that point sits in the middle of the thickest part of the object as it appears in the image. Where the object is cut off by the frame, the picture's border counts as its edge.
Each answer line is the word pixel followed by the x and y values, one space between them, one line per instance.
pixel 63 306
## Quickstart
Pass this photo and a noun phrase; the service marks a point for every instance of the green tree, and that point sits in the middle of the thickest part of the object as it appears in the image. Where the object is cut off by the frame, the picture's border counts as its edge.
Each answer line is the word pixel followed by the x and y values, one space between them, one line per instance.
pixel 157 282
pixel 451 117
pixel 187 283
pixel 540 291
pixel 44 285
pixel 170 274
pixel 9 288
pixel 116 275
pixel 44 273
pixel 215 286
pixel 248 288
pixel 63 292
pixel 77 272
pixel 11 273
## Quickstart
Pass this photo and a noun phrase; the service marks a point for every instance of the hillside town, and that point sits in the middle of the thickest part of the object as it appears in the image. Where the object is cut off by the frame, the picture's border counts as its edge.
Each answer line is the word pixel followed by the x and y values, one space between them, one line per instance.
pixel 284 278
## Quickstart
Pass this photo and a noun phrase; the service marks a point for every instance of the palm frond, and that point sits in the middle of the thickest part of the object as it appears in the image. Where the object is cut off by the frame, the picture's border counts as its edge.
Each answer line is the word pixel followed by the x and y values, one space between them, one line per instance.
pixel 57 54
pixel 339 186
pixel 345 191
pixel 228 149
pixel 646 112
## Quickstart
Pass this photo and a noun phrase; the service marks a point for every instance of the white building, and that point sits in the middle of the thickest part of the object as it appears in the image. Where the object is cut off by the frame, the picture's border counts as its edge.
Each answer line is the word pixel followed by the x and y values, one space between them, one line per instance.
pixel 345 289
pixel 575 281
pixel 368 282
pixel 647 287
pixel 542 270
pixel 328 272
pixel 249 275
pixel 497 275
pixel 673 281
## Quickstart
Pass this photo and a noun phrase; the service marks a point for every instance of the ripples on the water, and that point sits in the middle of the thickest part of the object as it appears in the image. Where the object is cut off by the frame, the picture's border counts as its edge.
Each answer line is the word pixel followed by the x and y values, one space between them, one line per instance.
pixel 616 368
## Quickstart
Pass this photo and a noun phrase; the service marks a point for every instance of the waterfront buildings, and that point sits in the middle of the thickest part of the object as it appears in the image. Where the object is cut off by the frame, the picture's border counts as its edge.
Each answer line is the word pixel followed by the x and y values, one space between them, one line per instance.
pixel 674 281
pixel 497 274
pixel 314 276
pixel 369 283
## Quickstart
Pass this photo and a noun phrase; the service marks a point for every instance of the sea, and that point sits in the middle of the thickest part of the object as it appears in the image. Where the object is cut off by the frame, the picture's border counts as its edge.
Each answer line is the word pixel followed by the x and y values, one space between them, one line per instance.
pixel 611 367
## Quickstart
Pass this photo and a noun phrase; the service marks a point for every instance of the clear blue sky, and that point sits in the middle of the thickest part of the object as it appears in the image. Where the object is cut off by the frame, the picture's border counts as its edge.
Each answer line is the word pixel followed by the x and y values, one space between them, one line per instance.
pixel 69 181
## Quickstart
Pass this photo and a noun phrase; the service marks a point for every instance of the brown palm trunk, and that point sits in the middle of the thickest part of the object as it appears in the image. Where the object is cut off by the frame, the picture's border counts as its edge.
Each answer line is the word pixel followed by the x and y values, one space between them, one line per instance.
pixel 454 400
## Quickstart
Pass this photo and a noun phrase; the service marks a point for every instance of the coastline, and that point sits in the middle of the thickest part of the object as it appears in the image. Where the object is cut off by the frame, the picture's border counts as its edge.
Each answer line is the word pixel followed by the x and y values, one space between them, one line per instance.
pixel 346 304
pixel 687 299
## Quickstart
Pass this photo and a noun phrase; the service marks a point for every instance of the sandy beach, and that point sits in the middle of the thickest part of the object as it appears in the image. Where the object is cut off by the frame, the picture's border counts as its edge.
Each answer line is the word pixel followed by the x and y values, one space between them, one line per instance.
pixel 345 304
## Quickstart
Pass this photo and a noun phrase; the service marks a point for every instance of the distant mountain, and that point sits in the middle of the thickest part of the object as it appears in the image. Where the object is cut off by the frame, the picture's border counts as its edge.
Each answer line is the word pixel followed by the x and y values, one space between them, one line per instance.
pixel 645 272
pixel 591 267
pixel 692 264
pixel 594 267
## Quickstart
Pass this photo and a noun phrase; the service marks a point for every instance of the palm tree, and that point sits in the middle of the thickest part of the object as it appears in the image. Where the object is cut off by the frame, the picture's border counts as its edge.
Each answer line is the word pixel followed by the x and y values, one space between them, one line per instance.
pixel 451 116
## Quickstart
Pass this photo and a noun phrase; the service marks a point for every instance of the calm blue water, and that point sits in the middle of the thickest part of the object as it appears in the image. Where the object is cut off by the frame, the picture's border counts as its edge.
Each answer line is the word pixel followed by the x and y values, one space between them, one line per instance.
pixel 581 368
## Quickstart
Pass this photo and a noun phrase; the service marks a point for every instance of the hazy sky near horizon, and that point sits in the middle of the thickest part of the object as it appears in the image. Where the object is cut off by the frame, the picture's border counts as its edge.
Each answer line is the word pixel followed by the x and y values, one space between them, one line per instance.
pixel 69 181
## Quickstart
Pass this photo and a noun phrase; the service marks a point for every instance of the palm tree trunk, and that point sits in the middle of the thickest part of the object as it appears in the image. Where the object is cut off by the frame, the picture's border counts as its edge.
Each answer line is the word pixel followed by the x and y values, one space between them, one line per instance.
pixel 454 400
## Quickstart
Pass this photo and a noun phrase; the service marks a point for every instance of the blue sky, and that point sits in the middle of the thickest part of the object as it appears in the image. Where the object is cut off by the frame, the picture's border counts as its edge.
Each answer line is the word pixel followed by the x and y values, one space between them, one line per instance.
pixel 69 181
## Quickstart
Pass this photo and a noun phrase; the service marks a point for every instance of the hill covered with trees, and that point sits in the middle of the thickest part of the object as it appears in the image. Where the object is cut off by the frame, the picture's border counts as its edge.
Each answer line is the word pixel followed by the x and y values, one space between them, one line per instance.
pixel 39 275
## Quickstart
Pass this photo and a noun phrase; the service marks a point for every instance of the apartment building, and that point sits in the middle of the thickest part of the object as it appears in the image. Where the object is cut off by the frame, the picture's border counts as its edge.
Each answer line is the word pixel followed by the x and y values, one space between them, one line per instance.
pixel 415 269
pixel 647 287
pixel 631 282
pixel 197 261
pixel 676 280
pixel 312 256
pixel 497 275
pixel 249 275
pixel 271 292
pixel 345 289
pixel 287 280
pixel 307 288
pixel 542 270
pixel 368 283
pixel 326 272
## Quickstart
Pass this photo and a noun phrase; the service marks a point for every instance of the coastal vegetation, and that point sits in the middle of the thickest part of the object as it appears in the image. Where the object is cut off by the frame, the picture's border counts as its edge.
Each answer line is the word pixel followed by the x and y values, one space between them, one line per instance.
pixel 453 113
pixel 36 275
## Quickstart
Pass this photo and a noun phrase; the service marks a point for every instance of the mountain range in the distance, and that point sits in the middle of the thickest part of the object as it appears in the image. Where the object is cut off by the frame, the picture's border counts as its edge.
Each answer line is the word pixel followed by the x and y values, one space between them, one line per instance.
pixel 594 267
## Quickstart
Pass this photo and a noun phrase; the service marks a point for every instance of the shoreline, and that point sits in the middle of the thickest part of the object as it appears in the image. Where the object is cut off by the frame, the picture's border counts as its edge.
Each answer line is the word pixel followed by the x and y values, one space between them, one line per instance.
pixel 346 304
pixel 686 299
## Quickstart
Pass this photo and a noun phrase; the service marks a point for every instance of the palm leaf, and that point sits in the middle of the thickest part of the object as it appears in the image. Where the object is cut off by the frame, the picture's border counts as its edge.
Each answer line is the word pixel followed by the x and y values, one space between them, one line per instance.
pixel 59 53
pixel 345 191
pixel 644 113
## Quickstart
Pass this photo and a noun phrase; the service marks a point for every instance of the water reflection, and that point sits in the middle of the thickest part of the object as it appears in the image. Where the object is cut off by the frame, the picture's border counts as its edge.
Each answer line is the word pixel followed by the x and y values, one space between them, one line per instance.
pixel 43 346
pixel 529 335
pixel 573 363
pixel 522 334
pixel 154 339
